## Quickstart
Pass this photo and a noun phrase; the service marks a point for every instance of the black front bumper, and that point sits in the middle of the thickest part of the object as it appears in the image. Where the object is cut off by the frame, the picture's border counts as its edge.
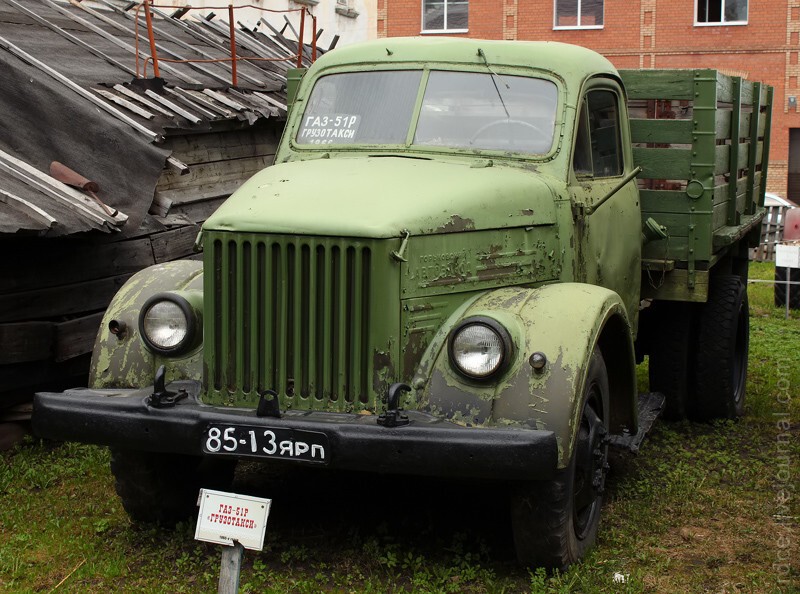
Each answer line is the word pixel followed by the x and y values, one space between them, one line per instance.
pixel 426 446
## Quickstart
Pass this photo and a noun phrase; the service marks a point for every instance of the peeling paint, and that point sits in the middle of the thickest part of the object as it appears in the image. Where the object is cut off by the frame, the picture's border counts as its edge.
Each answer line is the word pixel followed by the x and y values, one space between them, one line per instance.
pixel 456 224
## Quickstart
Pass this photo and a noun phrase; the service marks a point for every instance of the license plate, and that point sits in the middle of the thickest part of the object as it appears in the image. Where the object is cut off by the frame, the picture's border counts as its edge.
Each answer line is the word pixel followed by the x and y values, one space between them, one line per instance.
pixel 266 442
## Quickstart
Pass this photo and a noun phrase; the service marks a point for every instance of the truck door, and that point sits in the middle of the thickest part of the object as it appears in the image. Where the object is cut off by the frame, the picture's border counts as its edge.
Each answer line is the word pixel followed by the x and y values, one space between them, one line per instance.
pixel 608 241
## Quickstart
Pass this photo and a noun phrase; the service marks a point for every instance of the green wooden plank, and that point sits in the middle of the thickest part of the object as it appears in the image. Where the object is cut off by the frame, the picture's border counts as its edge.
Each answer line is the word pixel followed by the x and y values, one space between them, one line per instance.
pixel 765 151
pixel 674 286
pixel 661 131
pixel 725 86
pixel 719 216
pixel 664 201
pixel 723 123
pixel 658 84
pixel 747 92
pixel 722 157
pixel 676 248
pixel 743 156
pixel 677 224
pixel 720 194
pixel 735 154
pixel 658 163
pixel 744 125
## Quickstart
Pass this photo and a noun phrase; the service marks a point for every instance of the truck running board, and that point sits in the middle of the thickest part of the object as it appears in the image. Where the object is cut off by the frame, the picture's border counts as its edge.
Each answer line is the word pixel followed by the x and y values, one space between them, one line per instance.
pixel 650 406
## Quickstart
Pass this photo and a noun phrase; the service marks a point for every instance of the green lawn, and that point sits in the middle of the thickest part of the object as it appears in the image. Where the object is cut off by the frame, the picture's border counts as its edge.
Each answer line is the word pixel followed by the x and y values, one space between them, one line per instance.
pixel 695 512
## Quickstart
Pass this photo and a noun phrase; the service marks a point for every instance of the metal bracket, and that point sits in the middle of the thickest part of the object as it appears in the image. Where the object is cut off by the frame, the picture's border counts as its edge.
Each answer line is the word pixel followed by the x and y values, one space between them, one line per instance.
pixel 161 397
pixel 399 254
pixel 268 405
pixel 394 417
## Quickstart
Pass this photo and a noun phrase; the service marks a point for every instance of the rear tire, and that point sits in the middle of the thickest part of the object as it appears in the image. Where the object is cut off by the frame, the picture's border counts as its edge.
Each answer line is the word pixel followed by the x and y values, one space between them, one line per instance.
pixel 163 488
pixel 721 356
pixel 671 356
pixel 555 522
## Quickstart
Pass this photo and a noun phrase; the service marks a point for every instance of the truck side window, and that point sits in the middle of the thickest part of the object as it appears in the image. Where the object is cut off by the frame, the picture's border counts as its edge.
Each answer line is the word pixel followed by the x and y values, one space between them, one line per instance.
pixel 597 145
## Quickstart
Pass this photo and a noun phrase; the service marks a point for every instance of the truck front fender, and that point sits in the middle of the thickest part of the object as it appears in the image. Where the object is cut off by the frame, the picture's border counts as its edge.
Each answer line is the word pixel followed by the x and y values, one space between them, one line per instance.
pixel 565 322
pixel 121 359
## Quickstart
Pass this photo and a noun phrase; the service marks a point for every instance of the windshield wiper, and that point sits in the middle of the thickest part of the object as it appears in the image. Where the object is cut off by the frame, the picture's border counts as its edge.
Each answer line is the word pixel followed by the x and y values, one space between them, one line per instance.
pixel 495 76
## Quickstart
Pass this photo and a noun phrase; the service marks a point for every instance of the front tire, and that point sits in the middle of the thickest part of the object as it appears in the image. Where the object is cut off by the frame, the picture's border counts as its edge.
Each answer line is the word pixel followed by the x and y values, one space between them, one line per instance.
pixel 555 522
pixel 163 488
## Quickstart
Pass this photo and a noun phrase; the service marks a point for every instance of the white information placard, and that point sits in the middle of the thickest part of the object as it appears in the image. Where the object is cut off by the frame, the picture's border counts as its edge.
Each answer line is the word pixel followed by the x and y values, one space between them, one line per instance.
pixel 225 517
pixel 787 255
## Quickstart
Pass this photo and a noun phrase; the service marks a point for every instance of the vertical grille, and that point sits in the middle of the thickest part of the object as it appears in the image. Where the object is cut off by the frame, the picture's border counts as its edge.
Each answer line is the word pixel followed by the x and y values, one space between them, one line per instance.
pixel 291 315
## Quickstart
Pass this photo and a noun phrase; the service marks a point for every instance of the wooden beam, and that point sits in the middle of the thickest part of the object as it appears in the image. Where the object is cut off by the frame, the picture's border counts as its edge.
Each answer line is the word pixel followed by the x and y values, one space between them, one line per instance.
pixel 28 208
pixel 63 300
pixel 76 337
pixel 24 342
pixel 75 262
pixel 175 244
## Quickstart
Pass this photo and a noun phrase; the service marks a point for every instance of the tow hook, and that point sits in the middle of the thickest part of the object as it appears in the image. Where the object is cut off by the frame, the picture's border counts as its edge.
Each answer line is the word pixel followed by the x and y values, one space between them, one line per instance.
pixel 394 417
pixel 161 397
pixel 268 405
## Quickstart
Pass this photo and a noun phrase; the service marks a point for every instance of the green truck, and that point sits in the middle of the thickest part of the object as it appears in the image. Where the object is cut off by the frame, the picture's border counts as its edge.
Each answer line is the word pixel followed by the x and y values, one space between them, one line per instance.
pixel 460 255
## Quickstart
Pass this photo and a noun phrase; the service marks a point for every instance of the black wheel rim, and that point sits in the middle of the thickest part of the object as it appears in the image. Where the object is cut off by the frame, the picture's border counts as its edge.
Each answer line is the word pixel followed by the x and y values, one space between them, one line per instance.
pixel 590 467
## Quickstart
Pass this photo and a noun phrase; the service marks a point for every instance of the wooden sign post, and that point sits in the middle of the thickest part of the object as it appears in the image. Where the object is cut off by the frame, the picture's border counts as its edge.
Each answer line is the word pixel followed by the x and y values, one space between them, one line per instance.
pixel 238 522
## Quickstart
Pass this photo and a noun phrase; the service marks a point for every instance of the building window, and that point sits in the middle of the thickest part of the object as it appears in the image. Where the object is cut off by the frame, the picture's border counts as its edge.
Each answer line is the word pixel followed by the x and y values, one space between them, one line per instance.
pixel 579 14
pixel 721 12
pixel 444 15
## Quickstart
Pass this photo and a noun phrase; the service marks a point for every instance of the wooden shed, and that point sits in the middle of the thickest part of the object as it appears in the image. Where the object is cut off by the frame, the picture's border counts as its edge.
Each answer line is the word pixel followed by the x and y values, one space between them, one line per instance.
pixel 154 156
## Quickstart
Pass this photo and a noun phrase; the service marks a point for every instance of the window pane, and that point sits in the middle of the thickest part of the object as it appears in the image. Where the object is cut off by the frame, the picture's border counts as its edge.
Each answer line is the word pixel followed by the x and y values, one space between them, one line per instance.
pixel 702 11
pixel 360 107
pixel 710 11
pixel 433 15
pixel 482 111
pixel 591 13
pixel 457 15
pixel 582 159
pixel 604 130
pixel 736 10
pixel 566 13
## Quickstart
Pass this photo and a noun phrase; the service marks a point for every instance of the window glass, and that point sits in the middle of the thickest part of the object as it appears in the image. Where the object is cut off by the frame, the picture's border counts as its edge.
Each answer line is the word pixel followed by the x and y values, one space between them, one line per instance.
pixel 579 13
pixel 487 111
pixel 360 107
pixel 444 15
pixel 721 11
pixel 597 145
pixel 471 110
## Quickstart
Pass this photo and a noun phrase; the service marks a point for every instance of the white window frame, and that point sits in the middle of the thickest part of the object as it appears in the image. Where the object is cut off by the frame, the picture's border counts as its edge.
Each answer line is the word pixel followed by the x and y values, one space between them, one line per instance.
pixel 558 27
pixel 445 29
pixel 723 22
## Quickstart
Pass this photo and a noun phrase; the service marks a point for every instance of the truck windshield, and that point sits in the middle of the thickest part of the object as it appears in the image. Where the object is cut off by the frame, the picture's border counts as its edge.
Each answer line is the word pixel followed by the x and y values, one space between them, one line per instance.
pixel 468 110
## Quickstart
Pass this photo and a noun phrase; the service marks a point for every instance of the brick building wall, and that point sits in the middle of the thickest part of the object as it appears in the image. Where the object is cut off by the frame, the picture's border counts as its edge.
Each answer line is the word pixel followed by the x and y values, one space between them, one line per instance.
pixel 656 34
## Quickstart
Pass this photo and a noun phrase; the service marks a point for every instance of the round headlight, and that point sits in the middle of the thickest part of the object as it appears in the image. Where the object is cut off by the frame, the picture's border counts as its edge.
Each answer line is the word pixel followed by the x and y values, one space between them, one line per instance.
pixel 167 324
pixel 479 348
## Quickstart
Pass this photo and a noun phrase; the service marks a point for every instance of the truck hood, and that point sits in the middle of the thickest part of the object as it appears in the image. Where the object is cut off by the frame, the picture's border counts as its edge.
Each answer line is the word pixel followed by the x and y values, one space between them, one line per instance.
pixel 382 197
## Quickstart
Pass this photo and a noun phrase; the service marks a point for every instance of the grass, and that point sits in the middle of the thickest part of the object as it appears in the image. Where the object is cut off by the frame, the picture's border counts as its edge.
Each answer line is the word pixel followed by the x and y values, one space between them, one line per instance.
pixel 698 511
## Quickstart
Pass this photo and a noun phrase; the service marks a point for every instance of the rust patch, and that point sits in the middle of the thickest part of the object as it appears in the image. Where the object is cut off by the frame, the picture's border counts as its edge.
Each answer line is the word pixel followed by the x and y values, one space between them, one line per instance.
pixel 383 373
pixel 413 351
pixel 526 211
pixel 456 224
